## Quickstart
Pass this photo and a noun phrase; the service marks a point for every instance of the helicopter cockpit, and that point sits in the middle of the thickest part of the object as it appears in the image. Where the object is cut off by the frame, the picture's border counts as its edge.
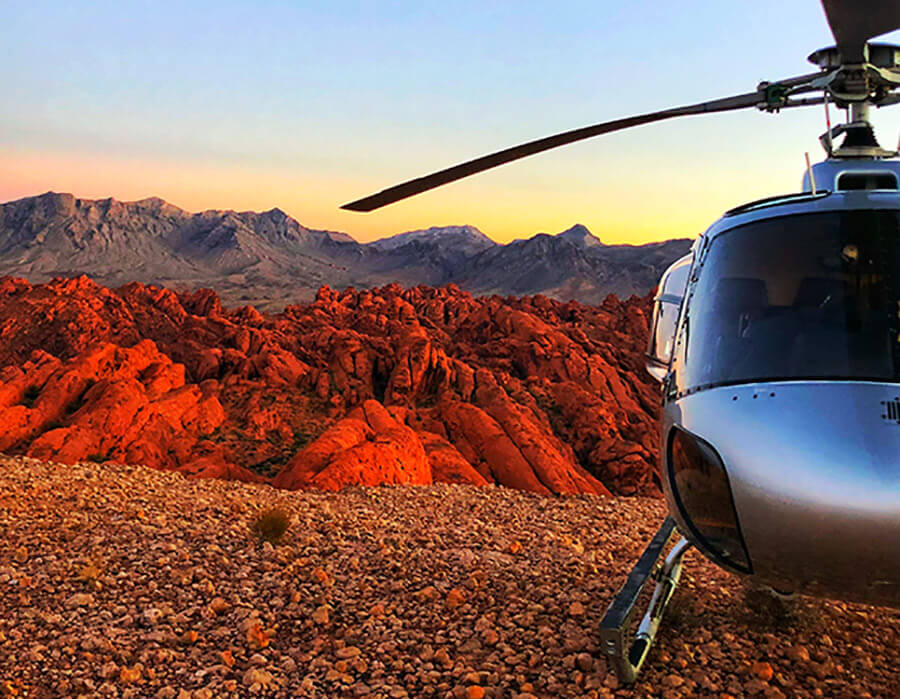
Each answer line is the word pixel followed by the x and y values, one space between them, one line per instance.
pixel 811 296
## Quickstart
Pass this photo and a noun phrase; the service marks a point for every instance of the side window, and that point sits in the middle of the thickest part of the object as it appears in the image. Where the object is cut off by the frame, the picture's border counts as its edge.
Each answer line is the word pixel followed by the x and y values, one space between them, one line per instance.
pixel 666 307
pixel 664 336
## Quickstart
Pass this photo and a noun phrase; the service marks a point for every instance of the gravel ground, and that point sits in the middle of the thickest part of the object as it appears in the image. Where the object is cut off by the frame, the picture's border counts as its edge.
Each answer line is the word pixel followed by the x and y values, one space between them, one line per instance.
pixel 123 581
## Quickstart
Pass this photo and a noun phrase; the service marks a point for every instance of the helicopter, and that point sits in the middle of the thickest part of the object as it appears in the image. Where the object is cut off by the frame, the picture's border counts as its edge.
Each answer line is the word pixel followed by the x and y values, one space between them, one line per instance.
pixel 776 343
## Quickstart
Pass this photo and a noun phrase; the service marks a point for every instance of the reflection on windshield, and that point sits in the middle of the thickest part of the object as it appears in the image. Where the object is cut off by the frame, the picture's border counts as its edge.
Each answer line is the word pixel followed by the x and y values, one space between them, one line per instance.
pixel 809 296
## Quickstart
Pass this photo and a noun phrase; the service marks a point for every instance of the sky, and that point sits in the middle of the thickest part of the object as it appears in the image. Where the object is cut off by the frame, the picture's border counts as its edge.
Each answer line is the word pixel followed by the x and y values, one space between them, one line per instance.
pixel 306 105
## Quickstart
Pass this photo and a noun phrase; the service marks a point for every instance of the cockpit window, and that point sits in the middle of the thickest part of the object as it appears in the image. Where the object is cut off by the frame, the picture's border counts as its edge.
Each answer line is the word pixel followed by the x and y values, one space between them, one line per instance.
pixel 811 296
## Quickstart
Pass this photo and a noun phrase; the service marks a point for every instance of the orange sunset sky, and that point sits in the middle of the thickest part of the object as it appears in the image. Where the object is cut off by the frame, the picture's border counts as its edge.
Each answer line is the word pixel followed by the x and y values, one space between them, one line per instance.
pixel 305 106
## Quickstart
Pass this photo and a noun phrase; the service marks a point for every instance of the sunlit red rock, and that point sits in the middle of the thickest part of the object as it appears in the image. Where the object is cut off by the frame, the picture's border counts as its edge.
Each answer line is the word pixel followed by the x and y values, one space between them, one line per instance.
pixel 386 385
pixel 367 447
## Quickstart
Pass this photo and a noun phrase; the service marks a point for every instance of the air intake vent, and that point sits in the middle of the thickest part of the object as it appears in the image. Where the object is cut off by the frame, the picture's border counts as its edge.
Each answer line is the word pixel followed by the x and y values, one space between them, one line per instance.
pixel 866 180
pixel 890 410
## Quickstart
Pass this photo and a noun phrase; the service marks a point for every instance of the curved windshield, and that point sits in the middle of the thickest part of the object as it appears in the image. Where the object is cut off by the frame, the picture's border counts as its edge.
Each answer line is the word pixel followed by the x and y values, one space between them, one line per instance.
pixel 809 296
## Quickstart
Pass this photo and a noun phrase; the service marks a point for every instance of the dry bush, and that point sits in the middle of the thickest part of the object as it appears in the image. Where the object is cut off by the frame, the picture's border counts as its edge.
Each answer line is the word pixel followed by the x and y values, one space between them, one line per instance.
pixel 90 573
pixel 270 525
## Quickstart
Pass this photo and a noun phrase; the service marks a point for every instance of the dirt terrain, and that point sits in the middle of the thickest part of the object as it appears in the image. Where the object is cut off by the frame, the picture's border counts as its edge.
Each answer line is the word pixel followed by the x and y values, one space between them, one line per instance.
pixel 127 581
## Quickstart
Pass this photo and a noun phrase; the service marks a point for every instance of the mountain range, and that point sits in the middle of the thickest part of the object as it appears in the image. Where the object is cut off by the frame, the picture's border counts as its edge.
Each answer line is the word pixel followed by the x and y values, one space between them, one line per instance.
pixel 269 259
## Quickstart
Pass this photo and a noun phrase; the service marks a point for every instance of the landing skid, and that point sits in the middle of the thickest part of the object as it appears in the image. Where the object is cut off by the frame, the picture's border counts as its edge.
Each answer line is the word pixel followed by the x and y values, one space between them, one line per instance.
pixel 627 661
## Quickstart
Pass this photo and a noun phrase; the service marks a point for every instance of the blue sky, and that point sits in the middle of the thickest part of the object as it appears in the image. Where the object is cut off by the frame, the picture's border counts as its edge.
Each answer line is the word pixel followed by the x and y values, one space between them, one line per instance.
pixel 306 105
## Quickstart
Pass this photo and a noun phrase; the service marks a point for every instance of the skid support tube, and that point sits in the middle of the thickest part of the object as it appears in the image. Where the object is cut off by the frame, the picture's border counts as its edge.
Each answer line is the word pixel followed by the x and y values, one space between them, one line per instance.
pixel 626 658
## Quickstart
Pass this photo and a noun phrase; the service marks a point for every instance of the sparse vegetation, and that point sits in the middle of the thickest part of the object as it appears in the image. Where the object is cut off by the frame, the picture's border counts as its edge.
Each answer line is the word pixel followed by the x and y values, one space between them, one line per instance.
pixel 270 525
pixel 301 439
pixel 271 466
pixel 285 452
pixel 89 573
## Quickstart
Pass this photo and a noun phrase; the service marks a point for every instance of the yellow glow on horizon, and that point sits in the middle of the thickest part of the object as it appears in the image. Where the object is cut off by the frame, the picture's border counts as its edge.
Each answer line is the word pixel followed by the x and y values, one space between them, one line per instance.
pixel 618 207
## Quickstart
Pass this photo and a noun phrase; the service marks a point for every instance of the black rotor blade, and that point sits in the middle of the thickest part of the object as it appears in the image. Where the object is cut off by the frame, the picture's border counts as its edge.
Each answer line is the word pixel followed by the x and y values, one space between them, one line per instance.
pixel 853 22
pixel 457 172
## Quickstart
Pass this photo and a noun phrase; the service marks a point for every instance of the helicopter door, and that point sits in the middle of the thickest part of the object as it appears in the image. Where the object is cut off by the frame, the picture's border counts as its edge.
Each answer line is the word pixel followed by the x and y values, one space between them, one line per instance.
pixel 666 307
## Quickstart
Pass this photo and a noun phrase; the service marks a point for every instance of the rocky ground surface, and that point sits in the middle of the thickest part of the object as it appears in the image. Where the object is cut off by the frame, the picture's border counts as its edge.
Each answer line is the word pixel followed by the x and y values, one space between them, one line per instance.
pixel 126 581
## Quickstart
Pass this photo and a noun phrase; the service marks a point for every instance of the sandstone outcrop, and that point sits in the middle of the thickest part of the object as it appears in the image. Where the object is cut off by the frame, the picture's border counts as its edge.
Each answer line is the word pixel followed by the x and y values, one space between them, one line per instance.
pixel 365 387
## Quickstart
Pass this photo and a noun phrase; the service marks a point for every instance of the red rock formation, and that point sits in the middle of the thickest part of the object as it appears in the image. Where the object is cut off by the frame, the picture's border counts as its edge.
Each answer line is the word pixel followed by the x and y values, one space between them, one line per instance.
pixel 368 447
pixel 378 386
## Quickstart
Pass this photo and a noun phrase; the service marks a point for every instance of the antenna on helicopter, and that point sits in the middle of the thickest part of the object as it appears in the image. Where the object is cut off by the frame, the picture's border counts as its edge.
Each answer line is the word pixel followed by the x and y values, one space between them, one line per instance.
pixel 809 172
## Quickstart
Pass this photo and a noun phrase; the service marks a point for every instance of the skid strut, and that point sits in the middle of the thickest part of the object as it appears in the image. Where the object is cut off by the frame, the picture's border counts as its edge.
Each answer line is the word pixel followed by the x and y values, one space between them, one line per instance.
pixel 627 660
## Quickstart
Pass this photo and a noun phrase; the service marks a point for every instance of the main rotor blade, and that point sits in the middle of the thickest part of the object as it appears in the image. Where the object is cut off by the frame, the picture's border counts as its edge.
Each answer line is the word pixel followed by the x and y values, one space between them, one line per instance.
pixel 457 172
pixel 853 22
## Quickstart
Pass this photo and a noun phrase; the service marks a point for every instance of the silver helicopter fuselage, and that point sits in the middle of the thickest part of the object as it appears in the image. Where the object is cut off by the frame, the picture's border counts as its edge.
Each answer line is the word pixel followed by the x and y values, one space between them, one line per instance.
pixel 788 383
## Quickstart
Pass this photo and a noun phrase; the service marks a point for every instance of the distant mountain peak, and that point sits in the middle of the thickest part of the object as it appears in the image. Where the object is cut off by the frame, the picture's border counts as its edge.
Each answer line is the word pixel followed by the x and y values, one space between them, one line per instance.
pixel 276 214
pixel 52 196
pixel 158 206
pixel 464 236
pixel 580 235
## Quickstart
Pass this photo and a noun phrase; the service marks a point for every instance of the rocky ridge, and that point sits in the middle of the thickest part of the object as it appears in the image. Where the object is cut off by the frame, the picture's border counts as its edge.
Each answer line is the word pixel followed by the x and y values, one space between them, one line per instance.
pixel 389 385
pixel 269 259
pixel 411 591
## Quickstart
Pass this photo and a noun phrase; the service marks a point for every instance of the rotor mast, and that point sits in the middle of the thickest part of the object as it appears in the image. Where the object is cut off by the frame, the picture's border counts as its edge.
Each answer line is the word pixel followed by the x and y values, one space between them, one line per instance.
pixel 859 112
pixel 855 85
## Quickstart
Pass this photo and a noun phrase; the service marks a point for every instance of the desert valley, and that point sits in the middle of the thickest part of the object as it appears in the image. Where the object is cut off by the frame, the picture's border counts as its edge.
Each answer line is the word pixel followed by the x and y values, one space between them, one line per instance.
pixel 451 350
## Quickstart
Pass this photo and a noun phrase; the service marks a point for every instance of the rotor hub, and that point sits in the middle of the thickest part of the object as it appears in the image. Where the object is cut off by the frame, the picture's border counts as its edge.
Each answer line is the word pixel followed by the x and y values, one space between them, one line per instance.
pixel 870 80
pixel 878 55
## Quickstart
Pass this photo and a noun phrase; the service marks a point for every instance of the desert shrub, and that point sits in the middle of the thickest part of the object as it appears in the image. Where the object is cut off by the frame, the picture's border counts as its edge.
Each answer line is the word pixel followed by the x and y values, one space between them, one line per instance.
pixel 89 574
pixel 98 457
pixel 31 395
pixel 270 525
